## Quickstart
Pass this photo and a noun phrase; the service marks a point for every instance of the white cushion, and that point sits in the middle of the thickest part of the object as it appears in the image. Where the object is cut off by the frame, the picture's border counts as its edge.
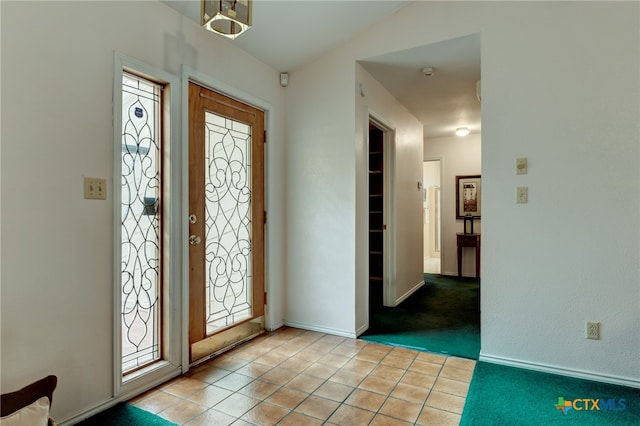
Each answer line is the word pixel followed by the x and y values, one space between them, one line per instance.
pixel 31 415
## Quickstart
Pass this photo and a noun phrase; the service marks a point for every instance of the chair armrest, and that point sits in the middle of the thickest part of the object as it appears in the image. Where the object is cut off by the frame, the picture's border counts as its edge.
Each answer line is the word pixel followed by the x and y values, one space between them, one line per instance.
pixel 14 401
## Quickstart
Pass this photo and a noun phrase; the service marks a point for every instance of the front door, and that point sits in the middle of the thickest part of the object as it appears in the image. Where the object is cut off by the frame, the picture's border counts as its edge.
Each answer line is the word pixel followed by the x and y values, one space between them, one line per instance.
pixel 226 222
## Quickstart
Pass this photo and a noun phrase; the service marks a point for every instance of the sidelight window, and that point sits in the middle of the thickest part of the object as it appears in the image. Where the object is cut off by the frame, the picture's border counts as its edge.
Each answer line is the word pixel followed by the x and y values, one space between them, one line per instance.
pixel 141 222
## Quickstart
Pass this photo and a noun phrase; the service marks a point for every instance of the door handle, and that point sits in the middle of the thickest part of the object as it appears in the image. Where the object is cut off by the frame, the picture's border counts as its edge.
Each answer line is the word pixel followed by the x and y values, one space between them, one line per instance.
pixel 194 239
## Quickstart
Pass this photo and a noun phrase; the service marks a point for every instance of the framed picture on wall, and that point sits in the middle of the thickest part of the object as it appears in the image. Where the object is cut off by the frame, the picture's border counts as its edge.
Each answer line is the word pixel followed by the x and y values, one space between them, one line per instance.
pixel 468 196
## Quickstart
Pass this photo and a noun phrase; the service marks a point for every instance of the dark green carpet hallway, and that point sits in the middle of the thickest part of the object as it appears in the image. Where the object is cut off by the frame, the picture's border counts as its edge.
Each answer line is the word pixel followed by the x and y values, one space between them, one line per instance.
pixel 125 415
pixel 501 395
pixel 441 317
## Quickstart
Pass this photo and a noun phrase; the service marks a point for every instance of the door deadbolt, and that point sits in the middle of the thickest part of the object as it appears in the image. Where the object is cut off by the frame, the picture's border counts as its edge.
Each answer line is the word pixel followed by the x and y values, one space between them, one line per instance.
pixel 194 239
pixel 192 219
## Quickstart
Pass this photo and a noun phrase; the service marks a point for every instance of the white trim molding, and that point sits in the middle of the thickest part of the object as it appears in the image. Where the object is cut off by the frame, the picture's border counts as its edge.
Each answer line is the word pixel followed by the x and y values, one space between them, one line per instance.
pixel 409 293
pixel 561 371
pixel 170 365
pixel 190 75
pixel 362 329
pixel 326 330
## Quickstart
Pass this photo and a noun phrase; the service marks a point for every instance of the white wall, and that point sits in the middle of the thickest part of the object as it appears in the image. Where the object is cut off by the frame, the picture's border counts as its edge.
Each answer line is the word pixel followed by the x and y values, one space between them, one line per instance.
pixel 57 82
pixel 460 156
pixel 551 264
pixel 327 200
pixel 560 86
pixel 320 203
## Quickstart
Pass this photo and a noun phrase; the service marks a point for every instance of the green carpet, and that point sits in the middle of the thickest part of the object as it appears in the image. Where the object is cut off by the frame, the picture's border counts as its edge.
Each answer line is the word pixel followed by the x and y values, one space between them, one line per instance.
pixel 443 317
pixel 500 395
pixel 125 415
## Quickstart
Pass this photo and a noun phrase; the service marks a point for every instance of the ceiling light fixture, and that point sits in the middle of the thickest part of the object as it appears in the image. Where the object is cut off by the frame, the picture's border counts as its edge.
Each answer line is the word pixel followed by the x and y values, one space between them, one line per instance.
pixel 229 18
pixel 462 131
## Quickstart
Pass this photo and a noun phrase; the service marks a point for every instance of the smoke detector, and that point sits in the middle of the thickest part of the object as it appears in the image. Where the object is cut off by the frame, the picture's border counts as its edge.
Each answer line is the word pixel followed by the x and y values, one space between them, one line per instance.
pixel 427 71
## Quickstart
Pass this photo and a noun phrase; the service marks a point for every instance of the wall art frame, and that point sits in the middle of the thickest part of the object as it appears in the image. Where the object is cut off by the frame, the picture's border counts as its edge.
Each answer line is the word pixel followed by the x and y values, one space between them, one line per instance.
pixel 468 196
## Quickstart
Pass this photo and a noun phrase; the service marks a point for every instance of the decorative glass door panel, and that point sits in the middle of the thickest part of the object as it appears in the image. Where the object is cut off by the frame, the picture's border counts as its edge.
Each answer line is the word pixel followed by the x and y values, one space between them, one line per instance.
pixel 140 223
pixel 226 222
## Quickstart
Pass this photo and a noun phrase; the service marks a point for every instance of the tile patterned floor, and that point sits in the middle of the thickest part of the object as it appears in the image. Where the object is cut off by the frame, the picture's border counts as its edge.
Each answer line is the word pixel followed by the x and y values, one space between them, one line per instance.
pixel 297 377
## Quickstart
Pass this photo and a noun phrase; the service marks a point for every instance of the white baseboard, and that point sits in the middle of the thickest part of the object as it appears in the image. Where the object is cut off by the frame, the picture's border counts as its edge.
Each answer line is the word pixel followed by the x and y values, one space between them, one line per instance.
pixel 274 327
pixel 409 293
pixel 561 371
pixel 90 412
pixel 327 330
pixel 362 329
pixel 98 408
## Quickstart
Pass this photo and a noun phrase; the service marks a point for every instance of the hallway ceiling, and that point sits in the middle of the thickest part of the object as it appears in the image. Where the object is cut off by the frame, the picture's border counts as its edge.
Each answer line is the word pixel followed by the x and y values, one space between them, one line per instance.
pixel 442 102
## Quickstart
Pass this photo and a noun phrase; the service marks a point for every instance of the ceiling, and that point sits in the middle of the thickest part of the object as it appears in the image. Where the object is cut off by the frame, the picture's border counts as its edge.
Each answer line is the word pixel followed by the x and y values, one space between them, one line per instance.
pixel 442 102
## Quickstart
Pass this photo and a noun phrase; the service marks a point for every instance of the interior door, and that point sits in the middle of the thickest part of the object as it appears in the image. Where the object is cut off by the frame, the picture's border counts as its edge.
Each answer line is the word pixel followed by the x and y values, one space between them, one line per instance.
pixel 226 222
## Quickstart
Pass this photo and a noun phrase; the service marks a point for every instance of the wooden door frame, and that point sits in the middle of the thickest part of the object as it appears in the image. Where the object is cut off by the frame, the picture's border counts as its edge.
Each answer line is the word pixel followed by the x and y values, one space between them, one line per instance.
pixel 190 75
pixel 201 101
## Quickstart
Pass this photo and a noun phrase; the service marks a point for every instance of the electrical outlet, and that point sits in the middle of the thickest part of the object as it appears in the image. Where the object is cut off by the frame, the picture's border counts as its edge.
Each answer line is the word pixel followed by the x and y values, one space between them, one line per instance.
pixel 522 195
pixel 593 330
pixel 95 188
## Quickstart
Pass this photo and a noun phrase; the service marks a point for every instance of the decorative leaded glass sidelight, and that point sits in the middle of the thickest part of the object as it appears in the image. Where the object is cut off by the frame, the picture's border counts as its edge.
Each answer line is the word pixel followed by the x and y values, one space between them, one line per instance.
pixel 140 243
pixel 228 286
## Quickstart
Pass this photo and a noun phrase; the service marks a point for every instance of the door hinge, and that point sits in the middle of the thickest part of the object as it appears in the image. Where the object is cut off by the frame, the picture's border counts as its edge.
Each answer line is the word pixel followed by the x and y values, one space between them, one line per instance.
pixel 265 136
pixel 265 217
pixel 265 297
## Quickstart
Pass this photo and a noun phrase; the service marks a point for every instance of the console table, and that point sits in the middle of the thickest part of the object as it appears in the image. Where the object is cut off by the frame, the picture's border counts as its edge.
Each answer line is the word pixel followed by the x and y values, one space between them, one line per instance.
pixel 468 240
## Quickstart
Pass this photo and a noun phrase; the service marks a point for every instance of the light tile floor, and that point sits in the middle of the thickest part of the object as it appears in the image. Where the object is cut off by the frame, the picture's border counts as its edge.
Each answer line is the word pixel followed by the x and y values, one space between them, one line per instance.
pixel 297 377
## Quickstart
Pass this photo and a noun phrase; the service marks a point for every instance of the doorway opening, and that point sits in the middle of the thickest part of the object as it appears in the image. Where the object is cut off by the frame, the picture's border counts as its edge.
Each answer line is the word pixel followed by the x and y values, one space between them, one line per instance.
pixel 381 254
pixel 376 216
pixel 442 315
pixel 431 214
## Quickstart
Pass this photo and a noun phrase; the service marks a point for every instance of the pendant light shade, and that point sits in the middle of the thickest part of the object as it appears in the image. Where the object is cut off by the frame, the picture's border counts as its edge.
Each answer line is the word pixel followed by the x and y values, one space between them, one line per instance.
pixel 229 18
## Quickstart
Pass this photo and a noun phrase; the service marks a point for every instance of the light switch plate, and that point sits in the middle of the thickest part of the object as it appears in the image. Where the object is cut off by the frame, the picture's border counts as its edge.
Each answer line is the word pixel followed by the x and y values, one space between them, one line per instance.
pixel 522 195
pixel 521 166
pixel 284 79
pixel 95 188
pixel 592 330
